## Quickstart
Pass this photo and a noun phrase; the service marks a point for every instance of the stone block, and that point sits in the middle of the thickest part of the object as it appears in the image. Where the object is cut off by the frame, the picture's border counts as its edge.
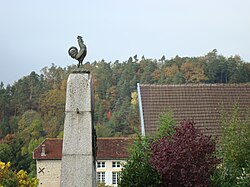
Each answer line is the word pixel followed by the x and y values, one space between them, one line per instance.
pixel 79 93
pixel 80 171
pixel 77 133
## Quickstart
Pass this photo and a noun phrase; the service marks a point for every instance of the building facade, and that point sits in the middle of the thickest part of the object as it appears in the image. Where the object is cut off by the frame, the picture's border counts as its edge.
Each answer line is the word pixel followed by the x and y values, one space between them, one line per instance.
pixel 111 155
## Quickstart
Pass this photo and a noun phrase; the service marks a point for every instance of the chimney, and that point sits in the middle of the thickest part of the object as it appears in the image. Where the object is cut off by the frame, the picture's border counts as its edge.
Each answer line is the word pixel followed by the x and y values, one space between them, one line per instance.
pixel 43 150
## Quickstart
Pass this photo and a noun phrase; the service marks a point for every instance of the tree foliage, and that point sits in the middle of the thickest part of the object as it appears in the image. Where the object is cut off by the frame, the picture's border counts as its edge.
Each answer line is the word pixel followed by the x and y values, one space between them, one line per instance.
pixel 8 178
pixel 234 151
pixel 103 185
pixel 166 125
pixel 185 158
pixel 115 106
pixel 138 170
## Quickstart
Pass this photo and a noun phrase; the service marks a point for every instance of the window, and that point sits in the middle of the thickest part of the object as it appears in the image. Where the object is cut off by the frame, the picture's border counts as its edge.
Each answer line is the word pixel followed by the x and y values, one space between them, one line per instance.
pixel 100 164
pixel 101 177
pixel 116 164
pixel 115 177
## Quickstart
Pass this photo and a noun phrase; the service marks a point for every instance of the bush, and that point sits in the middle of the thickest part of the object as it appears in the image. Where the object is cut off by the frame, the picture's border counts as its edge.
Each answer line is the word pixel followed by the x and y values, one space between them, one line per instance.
pixel 103 185
pixel 234 152
pixel 185 158
pixel 138 172
pixel 20 179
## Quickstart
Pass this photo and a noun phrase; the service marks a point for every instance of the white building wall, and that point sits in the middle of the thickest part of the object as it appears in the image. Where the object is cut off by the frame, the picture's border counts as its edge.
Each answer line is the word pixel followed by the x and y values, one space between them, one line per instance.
pixel 49 172
pixel 109 169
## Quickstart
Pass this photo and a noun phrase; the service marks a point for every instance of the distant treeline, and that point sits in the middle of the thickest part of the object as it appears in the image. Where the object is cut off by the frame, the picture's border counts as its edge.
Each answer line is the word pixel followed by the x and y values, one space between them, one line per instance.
pixel 33 107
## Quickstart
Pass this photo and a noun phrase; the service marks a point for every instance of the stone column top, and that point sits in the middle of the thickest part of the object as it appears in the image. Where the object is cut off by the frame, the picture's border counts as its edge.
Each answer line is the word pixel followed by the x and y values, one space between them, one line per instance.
pixel 79 96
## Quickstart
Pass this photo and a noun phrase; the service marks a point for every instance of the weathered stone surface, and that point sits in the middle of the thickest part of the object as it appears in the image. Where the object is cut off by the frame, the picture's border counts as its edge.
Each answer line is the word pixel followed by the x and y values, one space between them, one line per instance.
pixel 48 172
pixel 78 169
pixel 78 137
pixel 79 93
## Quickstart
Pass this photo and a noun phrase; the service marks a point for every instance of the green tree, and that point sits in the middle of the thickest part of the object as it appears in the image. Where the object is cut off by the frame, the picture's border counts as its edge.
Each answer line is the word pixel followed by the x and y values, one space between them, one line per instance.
pixel 29 136
pixel 5 152
pixel 166 125
pixel 242 73
pixel 5 95
pixel 103 82
pixel 54 76
pixel 103 131
pixel 234 151
pixel 4 127
pixel 220 69
pixel 26 92
pixel 147 67
pixel 138 170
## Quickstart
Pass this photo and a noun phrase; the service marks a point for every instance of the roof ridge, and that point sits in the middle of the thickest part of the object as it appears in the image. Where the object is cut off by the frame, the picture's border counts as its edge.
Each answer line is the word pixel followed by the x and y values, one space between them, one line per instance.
pixel 108 147
pixel 199 84
pixel 112 138
pixel 103 138
pixel 54 139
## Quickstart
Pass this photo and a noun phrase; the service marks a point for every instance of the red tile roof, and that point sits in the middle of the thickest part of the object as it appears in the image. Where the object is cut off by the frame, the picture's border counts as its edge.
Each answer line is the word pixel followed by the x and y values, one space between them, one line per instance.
pixel 113 148
pixel 200 102
pixel 53 149
pixel 107 148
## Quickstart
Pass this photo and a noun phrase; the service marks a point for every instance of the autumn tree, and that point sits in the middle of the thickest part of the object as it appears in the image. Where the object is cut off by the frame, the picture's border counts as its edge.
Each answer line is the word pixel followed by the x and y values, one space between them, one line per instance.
pixel 186 158
pixel 193 72
pixel 52 104
pixel 134 112
pixel 116 111
pixel 17 179
pixel 171 72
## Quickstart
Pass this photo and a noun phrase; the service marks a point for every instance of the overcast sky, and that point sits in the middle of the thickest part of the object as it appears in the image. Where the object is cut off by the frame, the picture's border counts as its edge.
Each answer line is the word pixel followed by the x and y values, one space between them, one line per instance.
pixel 35 34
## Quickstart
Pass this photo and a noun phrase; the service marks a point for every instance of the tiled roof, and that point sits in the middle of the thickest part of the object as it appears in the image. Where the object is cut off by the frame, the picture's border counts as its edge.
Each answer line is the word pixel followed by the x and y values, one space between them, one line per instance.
pixel 113 148
pixel 200 102
pixel 107 148
pixel 53 149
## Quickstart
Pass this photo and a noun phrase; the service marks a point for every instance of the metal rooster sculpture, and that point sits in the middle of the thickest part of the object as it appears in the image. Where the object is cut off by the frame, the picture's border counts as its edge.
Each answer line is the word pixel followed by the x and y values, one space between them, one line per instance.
pixel 73 51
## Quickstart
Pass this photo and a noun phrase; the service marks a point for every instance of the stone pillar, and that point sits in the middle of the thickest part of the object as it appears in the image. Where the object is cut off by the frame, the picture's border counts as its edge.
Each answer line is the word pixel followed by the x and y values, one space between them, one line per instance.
pixel 78 162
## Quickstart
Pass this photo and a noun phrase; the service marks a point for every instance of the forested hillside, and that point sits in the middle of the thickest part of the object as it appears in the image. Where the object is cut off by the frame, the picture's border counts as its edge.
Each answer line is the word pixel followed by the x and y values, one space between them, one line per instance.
pixel 33 107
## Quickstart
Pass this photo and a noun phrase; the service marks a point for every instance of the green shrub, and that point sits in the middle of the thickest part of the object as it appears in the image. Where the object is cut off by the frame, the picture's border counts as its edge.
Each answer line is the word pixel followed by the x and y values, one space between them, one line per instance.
pixel 234 152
